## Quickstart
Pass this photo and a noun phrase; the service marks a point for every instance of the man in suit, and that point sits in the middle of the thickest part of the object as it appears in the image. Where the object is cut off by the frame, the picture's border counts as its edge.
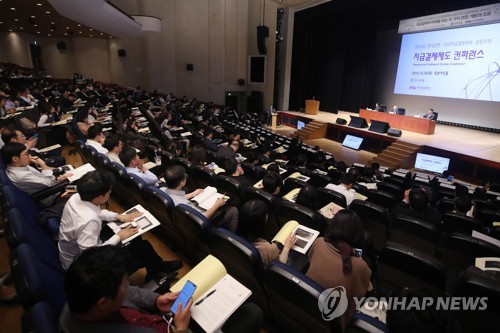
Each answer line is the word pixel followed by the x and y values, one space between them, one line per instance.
pixel 431 115
pixel 416 204
pixel 207 140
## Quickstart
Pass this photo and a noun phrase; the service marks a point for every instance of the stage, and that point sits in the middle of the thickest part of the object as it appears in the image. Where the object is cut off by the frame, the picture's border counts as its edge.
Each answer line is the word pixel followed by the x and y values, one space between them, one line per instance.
pixel 475 149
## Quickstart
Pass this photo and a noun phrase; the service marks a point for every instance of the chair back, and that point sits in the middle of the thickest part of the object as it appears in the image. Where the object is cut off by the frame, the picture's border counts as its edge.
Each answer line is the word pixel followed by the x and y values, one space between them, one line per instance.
pixel 327 195
pixel 40 318
pixel 35 281
pixel 242 260
pixel 415 233
pixel 195 230
pixel 375 220
pixel 201 177
pixel 287 210
pixel 384 199
pixel 401 266
pixel 293 299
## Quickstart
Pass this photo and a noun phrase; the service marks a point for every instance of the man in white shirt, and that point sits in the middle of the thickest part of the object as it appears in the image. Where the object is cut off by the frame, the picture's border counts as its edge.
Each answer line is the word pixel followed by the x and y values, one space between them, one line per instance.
pixel 114 145
pixel 345 187
pixel 133 165
pixel 25 177
pixel 95 138
pixel 176 178
pixel 82 227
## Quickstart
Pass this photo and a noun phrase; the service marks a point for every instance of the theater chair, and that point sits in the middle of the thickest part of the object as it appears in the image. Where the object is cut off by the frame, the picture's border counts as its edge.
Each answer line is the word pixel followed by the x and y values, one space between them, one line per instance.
pixel 287 210
pixel 161 206
pixel 453 222
pixel 293 299
pixel 35 281
pixel 362 323
pixel 40 318
pixel 460 251
pixel 242 260
pixel 195 230
pixel 326 196
pixel 19 231
pixel 445 205
pixel 395 189
pixel 475 284
pixel 272 225
pixel 201 177
pixel 292 183
pixel 384 199
pixel 417 234
pixel 375 221
pixel 401 266
pixel 233 187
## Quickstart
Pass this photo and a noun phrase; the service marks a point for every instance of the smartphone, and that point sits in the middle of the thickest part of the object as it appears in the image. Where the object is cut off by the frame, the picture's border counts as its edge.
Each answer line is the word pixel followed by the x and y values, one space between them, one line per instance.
pixel 184 296
pixel 35 136
pixel 358 252
pixel 71 188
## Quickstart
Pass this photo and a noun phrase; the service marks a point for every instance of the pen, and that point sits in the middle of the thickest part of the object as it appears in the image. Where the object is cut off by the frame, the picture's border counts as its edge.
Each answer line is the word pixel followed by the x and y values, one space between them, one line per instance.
pixel 204 298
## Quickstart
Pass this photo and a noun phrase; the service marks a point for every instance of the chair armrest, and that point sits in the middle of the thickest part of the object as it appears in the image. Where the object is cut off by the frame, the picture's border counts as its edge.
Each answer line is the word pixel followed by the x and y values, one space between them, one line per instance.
pixel 42 194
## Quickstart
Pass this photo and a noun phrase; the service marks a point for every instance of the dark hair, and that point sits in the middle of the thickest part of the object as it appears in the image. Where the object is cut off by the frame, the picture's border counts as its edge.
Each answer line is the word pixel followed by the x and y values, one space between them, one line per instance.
pixel 94 131
pixel 12 149
pixel 348 178
pixel 419 199
pixel 127 155
pixel 82 115
pixel 252 219
pixel 174 175
pixel 375 166
pixel 274 167
pixel 230 165
pixel 111 142
pixel 354 171
pixel 271 182
pixel 198 155
pixel 252 157
pixel 463 204
pixel 301 160
pixel 461 190
pixel 96 273
pixel 94 184
pixel 8 134
pixel 345 232
pixel 208 131
pixel 308 197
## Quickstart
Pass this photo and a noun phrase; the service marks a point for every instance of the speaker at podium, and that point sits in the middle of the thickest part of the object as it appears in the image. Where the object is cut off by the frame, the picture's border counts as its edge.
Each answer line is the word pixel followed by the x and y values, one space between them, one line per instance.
pixel 312 106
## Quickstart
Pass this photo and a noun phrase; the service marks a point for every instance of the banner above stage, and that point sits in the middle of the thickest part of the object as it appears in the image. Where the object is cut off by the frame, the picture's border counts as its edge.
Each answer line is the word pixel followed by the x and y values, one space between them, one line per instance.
pixel 455 19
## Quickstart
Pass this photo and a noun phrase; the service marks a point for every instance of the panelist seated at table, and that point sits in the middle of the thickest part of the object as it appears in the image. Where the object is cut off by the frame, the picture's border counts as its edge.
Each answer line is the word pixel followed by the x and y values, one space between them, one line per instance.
pixel 431 115
pixel 398 110
pixel 380 107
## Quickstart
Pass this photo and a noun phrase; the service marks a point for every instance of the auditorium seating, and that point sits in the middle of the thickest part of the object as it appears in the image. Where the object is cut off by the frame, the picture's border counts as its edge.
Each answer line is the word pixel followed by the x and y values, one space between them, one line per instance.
pixel 40 318
pixel 375 220
pixel 293 299
pixel 242 260
pixel 417 234
pixel 195 230
pixel 326 196
pixel 201 177
pixel 401 266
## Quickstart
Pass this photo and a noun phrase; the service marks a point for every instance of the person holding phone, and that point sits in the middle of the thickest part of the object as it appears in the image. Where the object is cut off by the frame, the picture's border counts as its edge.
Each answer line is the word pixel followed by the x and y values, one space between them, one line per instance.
pixel 100 300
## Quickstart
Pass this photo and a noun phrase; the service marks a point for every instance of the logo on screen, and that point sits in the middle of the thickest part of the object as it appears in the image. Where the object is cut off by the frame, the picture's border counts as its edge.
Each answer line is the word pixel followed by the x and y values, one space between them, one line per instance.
pixel 332 303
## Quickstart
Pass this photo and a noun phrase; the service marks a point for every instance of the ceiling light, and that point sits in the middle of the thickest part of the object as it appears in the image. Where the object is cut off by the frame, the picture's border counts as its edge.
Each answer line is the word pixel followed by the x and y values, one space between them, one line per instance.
pixel 102 33
pixel 91 36
pixel 17 20
pixel 12 8
pixel 67 27
pixel 91 29
pixel 38 32
pixel 47 12
pixel 48 35
pixel 51 22
pixel 10 30
pixel 65 34
pixel 79 32
pixel 35 25
pixel 32 16
pixel 79 25
pixel 2 22
pixel 21 28
pixel 38 4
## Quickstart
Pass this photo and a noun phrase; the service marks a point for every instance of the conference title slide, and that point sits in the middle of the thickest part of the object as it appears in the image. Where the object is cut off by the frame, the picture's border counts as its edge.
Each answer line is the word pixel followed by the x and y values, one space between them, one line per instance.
pixel 454 63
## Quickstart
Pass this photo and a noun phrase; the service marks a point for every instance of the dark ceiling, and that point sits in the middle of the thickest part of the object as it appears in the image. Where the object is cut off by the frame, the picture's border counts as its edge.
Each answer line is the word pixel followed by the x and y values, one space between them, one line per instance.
pixel 39 18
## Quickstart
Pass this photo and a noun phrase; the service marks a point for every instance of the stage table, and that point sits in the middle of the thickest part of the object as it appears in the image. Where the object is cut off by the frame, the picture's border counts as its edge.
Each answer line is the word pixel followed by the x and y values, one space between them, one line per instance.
pixel 407 123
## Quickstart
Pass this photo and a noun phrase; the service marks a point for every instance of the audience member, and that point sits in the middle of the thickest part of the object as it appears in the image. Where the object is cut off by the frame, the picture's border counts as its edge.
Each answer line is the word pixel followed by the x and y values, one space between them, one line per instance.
pixel 114 145
pixel 333 261
pixel 345 187
pixel 99 299
pixel 228 152
pixel 272 183
pixel 82 227
pixel 416 204
pixel 133 164
pixel 207 140
pixel 176 178
pixel 198 155
pixel 26 178
pixel 252 226
pixel 96 138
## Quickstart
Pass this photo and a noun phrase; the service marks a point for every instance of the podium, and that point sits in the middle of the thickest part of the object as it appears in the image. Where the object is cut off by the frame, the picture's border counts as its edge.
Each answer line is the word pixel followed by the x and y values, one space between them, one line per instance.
pixel 274 121
pixel 312 106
